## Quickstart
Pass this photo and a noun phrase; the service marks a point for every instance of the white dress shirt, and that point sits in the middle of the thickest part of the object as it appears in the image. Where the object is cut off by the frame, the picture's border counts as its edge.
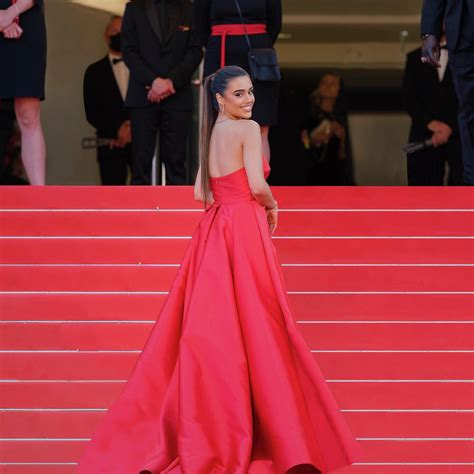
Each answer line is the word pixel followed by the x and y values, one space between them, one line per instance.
pixel 121 73
pixel 443 60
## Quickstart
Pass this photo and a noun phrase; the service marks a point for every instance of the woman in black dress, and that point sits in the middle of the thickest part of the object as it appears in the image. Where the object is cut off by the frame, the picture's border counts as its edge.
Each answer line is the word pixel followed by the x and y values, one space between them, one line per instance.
pixel 217 23
pixel 325 135
pixel 23 61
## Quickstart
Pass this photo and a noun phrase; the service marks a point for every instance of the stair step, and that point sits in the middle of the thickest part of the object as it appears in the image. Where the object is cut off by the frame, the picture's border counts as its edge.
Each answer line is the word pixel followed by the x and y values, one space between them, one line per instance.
pixel 336 306
pixel 350 395
pixel 396 468
pixel 317 223
pixel 140 197
pixel 365 425
pixel 129 336
pixel 290 251
pixel 319 279
pixel 375 451
pixel 335 365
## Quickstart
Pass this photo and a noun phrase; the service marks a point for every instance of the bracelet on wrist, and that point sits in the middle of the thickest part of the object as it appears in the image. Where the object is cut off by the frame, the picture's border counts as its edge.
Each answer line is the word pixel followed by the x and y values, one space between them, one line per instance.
pixel 15 6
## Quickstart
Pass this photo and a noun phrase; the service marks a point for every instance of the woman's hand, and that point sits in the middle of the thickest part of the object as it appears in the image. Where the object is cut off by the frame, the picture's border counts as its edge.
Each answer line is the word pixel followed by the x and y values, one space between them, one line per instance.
pixel 338 130
pixel 209 203
pixel 210 199
pixel 321 134
pixel 305 139
pixel 14 31
pixel 6 19
pixel 272 217
pixel 199 197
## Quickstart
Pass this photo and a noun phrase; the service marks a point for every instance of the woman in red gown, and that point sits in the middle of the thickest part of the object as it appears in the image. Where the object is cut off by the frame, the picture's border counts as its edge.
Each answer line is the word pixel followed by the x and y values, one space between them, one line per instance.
pixel 225 382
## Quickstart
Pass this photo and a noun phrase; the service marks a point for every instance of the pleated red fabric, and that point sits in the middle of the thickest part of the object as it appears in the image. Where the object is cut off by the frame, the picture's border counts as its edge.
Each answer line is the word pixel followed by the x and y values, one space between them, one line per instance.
pixel 225 382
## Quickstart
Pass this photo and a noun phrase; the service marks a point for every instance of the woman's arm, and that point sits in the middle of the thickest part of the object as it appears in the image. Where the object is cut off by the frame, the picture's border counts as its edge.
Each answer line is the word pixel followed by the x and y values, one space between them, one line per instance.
pixel 252 147
pixel 7 16
pixel 24 5
pixel 197 187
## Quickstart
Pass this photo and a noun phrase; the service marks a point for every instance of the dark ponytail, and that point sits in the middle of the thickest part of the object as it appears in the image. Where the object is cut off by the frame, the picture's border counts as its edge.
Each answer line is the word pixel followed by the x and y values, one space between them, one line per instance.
pixel 209 116
pixel 213 84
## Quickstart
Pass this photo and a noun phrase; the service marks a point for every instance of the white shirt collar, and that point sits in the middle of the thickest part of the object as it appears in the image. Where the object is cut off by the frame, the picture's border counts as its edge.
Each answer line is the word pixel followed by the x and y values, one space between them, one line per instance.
pixel 114 56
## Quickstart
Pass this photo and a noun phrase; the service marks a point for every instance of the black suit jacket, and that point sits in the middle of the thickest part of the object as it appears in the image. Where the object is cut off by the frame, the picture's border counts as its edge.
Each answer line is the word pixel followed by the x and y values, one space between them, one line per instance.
pixel 104 106
pixel 426 98
pixel 150 54
pixel 451 11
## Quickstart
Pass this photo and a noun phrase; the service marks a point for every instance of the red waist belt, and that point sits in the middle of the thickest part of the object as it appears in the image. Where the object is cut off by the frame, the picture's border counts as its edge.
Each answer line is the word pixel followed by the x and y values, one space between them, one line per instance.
pixel 235 30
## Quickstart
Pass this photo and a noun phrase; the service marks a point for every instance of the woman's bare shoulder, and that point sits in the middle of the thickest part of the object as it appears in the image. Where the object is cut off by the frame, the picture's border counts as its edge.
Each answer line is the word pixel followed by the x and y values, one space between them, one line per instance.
pixel 248 124
pixel 241 130
pixel 248 128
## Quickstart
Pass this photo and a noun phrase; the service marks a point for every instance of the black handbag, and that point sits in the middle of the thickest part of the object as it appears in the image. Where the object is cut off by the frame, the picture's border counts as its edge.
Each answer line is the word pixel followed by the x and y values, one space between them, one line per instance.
pixel 263 62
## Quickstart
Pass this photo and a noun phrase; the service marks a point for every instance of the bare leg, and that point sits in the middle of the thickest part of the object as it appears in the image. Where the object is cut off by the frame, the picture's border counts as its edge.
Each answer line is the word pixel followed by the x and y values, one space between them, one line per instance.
pixel 33 149
pixel 264 129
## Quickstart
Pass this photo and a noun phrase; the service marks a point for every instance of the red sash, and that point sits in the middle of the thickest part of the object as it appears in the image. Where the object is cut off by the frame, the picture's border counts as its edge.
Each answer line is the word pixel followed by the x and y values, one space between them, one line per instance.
pixel 236 29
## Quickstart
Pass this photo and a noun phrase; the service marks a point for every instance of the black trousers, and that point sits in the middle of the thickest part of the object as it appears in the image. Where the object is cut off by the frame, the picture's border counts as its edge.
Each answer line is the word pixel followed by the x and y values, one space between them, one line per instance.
pixel 427 167
pixel 173 126
pixel 114 165
pixel 461 62
pixel 462 68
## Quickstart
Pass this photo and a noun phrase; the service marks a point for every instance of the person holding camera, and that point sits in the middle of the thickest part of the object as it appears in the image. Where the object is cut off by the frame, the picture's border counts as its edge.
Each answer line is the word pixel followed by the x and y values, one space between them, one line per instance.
pixel 325 135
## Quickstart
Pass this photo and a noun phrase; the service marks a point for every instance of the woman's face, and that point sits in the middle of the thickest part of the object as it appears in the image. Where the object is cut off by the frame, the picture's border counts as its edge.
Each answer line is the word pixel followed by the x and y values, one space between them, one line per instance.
pixel 330 86
pixel 238 98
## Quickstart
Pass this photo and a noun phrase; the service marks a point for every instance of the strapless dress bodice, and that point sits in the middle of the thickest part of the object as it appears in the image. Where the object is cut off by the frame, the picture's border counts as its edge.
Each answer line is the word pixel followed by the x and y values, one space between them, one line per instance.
pixel 234 187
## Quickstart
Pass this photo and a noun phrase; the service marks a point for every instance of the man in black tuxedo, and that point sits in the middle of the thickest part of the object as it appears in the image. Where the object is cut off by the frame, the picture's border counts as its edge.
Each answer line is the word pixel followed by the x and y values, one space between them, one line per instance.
pixel 458 16
pixel 430 100
pixel 162 52
pixel 105 88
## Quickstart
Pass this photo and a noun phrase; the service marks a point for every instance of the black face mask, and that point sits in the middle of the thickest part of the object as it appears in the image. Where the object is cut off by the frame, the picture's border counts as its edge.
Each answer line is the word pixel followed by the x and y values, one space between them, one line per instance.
pixel 116 42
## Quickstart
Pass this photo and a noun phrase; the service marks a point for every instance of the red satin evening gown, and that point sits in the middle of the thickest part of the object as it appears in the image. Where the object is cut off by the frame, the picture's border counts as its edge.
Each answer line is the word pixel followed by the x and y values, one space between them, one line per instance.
pixel 225 382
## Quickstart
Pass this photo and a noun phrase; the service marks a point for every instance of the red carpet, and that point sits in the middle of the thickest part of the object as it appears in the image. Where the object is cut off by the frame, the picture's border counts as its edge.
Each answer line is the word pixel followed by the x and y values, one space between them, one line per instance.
pixel 381 280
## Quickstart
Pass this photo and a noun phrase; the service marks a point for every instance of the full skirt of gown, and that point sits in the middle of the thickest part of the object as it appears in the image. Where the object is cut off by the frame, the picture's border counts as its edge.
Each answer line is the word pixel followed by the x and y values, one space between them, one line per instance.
pixel 225 382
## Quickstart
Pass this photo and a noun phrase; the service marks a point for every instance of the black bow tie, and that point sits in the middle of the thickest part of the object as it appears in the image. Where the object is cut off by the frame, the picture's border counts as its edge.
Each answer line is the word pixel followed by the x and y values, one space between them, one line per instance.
pixel 116 60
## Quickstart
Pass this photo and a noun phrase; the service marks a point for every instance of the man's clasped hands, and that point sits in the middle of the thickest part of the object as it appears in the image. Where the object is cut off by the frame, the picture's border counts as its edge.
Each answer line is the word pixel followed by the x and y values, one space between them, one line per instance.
pixel 8 26
pixel 160 89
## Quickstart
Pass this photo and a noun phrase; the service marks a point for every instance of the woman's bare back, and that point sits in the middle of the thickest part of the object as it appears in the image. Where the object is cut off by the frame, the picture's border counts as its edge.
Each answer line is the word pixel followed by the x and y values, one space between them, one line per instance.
pixel 225 148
